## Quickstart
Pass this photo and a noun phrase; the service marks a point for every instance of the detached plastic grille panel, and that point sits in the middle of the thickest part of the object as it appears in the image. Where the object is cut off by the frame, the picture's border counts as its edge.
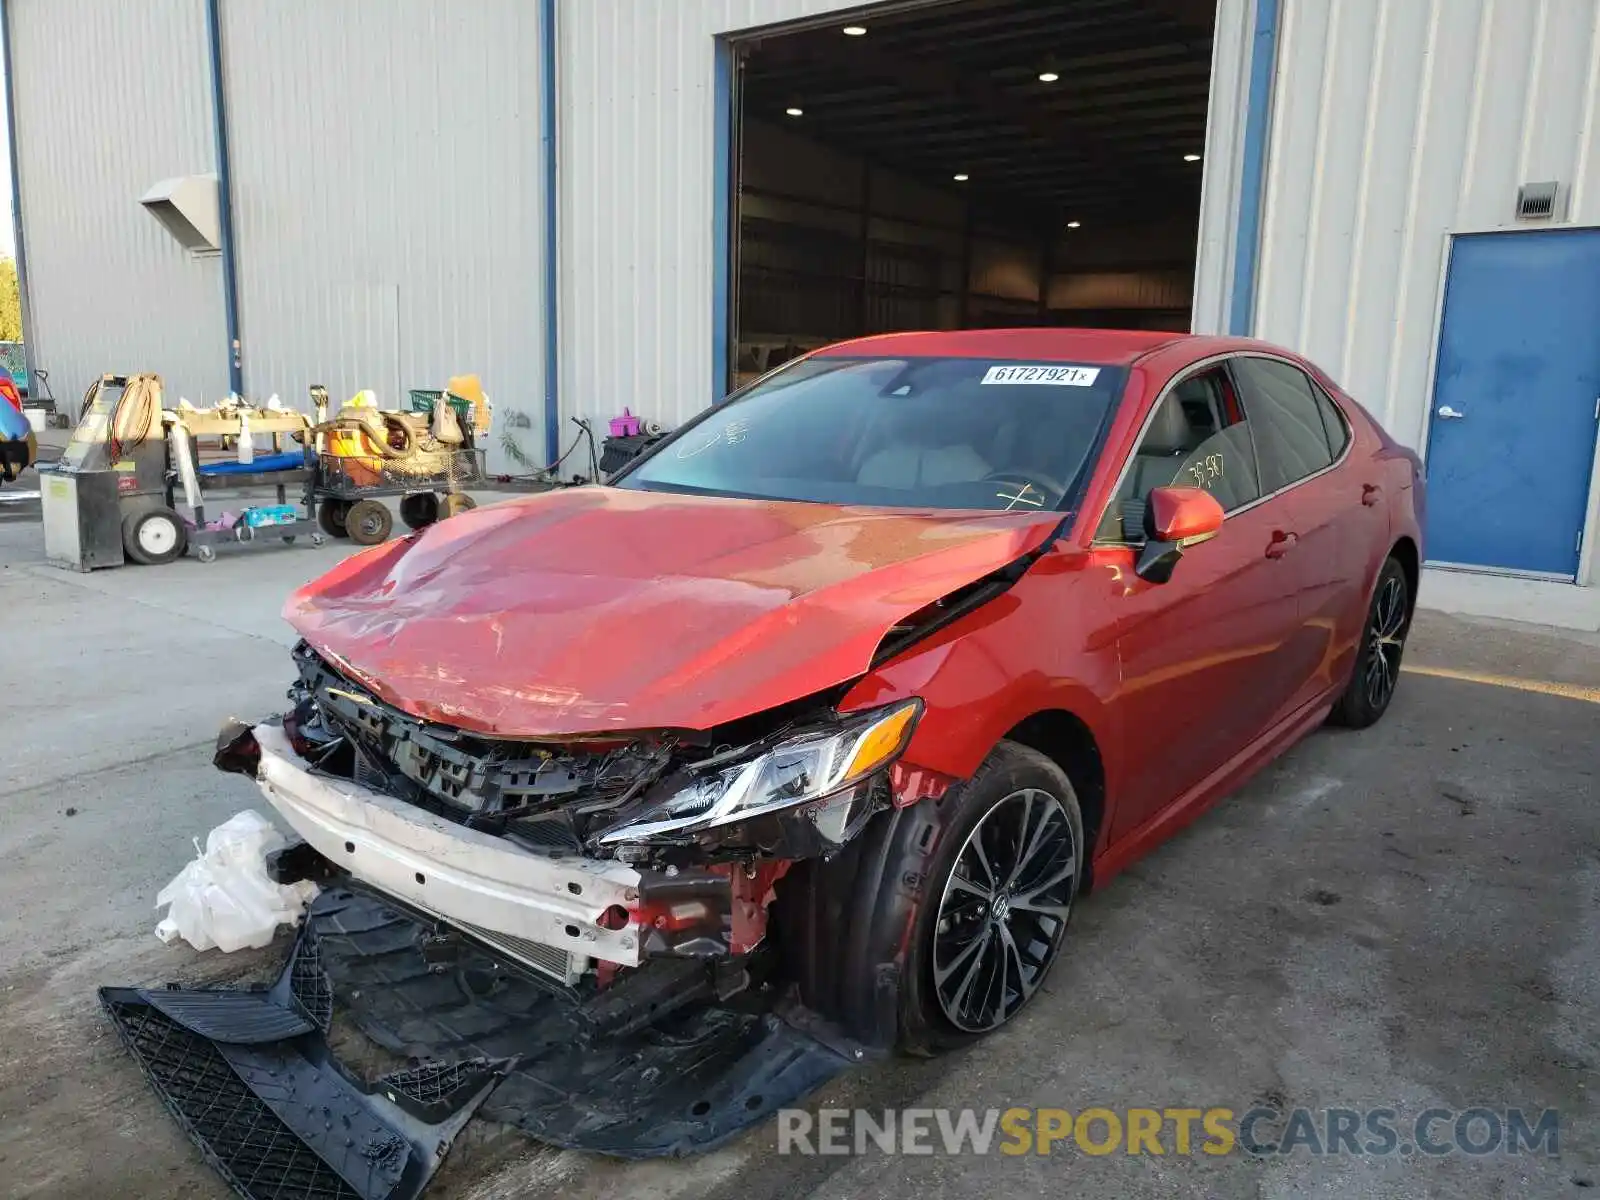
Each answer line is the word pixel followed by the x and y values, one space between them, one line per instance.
pixel 308 983
pixel 435 1090
pixel 238 1134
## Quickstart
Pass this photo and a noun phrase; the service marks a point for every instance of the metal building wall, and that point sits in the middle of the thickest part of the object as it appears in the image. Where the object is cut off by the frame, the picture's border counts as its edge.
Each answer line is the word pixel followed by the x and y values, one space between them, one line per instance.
pixel 385 158
pixel 111 98
pixel 636 193
pixel 1394 123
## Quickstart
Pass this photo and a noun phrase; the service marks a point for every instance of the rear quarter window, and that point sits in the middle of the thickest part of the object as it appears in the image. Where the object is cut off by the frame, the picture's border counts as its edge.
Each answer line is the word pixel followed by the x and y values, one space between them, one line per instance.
pixel 1333 422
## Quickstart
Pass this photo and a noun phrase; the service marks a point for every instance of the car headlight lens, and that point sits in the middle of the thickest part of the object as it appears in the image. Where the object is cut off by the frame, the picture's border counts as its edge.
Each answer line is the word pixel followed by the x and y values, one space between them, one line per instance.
pixel 808 766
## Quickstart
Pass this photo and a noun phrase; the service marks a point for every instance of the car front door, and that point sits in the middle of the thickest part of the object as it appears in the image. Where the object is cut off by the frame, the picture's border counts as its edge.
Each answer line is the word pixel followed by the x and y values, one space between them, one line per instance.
pixel 1299 436
pixel 1205 657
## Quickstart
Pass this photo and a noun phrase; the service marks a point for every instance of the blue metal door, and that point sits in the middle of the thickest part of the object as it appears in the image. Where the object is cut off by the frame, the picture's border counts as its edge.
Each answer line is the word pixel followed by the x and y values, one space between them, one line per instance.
pixel 1512 435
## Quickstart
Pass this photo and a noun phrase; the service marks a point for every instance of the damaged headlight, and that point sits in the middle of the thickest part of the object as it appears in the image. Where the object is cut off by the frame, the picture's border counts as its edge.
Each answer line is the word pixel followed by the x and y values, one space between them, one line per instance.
pixel 809 765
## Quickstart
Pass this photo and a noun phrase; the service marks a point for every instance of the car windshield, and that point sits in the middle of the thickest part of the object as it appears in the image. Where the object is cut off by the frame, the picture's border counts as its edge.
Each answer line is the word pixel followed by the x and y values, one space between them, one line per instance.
pixel 963 433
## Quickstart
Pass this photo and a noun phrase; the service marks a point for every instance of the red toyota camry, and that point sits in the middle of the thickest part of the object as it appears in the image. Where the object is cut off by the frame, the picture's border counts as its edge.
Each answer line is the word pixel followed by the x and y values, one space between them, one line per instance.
pixel 863 675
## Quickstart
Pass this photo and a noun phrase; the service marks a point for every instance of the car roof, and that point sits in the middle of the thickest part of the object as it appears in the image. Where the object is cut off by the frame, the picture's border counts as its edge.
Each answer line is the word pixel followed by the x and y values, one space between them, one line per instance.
pixel 1108 347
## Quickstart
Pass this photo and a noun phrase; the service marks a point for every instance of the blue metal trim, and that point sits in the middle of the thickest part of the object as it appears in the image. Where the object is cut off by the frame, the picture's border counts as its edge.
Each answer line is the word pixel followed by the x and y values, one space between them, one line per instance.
pixel 1252 175
pixel 16 193
pixel 552 283
pixel 721 201
pixel 230 278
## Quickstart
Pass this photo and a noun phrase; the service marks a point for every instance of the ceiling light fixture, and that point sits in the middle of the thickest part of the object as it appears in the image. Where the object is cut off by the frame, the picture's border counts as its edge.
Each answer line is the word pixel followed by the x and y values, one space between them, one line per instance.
pixel 1074 224
pixel 794 111
pixel 854 31
pixel 1191 158
pixel 1048 77
pixel 962 178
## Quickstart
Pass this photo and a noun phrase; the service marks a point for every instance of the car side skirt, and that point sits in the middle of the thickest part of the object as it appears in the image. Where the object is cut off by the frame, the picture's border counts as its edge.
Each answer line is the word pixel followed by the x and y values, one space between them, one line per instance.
pixel 1225 779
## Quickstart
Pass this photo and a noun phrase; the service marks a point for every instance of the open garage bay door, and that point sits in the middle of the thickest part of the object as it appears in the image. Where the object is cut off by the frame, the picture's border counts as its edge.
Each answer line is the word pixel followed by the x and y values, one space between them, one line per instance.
pixel 966 164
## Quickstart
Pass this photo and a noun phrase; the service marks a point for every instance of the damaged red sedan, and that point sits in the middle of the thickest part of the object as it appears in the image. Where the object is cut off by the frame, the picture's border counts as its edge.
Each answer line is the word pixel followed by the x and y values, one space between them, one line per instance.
pixel 850 687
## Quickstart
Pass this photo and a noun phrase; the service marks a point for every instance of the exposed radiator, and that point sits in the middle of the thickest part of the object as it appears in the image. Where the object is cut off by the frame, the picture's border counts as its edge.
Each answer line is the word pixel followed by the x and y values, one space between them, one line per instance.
pixel 547 960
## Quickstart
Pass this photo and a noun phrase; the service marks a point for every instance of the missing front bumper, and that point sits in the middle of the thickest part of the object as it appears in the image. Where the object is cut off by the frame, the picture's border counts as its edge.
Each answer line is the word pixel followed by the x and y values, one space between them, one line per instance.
pixel 656 1067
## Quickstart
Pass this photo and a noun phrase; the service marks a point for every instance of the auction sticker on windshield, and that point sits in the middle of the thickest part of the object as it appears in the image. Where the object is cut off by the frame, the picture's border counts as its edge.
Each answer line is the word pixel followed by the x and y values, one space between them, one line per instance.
pixel 1050 376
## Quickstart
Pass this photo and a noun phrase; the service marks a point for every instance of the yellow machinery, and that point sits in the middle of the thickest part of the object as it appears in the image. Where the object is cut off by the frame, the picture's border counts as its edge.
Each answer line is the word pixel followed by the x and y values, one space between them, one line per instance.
pixel 427 458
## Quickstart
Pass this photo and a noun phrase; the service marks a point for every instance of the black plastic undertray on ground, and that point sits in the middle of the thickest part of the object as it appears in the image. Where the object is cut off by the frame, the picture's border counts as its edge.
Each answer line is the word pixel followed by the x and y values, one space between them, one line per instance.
pixel 678 1086
pixel 250 1076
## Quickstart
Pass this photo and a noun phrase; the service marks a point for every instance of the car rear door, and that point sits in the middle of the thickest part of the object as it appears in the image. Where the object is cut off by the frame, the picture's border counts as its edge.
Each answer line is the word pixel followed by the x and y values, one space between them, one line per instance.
pixel 1205 657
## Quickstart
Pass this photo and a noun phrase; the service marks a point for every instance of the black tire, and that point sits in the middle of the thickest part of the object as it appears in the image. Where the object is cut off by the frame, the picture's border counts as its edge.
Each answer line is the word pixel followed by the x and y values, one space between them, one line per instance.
pixel 154 536
pixel 841 926
pixel 456 503
pixel 1383 643
pixel 331 516
pixel 419 511
pixel 369 522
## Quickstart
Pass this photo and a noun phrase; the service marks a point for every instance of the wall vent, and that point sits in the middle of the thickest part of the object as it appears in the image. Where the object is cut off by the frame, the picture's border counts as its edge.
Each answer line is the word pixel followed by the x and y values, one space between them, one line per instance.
pixel 187 209
pixel 1541 202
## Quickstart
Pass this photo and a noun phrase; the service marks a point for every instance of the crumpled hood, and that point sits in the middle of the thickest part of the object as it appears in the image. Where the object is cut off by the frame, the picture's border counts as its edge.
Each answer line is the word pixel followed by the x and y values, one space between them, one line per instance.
pixel 594 609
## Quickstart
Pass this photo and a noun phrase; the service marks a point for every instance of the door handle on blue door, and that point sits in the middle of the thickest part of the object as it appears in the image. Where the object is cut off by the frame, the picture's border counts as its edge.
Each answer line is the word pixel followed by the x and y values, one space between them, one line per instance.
pixel 1450 414
pixel 1282 542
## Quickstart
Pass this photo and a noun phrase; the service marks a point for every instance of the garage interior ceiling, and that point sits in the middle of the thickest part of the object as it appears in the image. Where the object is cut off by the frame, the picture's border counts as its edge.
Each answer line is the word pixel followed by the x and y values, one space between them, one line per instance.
pixel 955 89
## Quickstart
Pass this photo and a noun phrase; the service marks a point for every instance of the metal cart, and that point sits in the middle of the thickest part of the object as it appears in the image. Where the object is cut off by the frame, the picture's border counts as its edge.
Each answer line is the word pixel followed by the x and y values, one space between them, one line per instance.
pixel 285 520
pixel 41 396
pixel 347 489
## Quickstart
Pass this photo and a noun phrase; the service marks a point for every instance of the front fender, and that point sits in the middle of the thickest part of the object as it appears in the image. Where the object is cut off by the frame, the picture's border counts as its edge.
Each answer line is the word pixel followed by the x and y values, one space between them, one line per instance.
pixel 1028 651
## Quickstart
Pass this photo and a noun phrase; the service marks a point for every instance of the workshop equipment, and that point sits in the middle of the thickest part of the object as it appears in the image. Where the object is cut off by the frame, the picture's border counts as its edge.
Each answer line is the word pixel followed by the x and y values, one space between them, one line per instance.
pixel 108 489
pixel 37 397
pixel 426 457
pixel 617 452
pixel 469 400
pixel 241 423
pixel 114 491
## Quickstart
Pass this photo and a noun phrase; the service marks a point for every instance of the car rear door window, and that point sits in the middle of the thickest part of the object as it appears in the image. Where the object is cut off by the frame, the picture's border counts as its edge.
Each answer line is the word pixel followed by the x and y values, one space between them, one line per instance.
pixel 1197 437
pixel 1291 439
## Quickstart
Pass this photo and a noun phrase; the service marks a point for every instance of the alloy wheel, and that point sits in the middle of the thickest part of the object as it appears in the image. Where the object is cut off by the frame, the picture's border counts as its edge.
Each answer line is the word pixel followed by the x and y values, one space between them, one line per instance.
pixel 1004 910
pixel 1385 642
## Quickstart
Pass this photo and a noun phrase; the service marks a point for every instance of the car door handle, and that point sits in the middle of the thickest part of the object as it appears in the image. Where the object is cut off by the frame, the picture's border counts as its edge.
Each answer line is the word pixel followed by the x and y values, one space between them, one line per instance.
pixel 1281 543
pixel 1447 413
pixel 1371 493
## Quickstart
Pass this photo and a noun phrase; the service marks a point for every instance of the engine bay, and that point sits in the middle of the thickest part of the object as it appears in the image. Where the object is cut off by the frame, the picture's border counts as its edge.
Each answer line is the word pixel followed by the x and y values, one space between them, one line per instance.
pixel 572 796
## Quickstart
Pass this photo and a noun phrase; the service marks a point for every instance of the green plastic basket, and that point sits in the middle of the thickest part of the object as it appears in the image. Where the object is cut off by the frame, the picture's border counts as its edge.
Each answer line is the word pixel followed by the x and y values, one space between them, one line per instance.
pixel 422 401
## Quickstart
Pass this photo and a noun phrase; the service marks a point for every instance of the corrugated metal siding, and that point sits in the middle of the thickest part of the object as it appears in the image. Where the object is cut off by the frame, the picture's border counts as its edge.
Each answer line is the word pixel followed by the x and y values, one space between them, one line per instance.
pixel 635 197
pixel 1396 122
pixel 637 149
pixel 1224 153
pixel 111 98
pixel 387 208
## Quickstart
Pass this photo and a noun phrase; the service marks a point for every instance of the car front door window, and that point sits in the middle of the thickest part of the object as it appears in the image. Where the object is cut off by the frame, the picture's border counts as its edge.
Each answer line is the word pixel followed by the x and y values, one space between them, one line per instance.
pixel 1197 437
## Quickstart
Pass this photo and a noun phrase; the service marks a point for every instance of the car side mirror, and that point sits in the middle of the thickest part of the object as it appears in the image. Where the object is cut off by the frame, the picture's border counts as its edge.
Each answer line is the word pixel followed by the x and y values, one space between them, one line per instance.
pixel 1175 518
